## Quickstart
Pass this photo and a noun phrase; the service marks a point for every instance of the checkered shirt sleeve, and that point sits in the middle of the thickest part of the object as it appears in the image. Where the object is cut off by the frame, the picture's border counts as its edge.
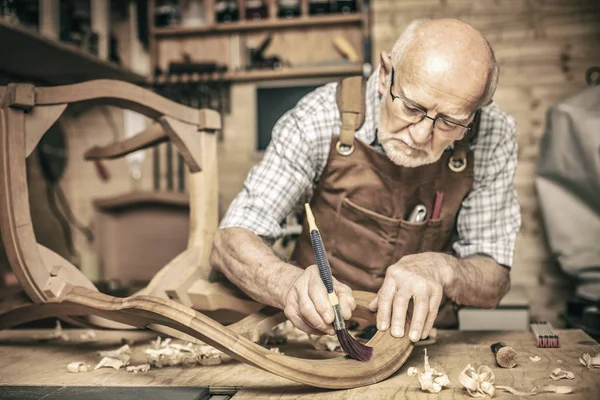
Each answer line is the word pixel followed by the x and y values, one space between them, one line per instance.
pixel 490 217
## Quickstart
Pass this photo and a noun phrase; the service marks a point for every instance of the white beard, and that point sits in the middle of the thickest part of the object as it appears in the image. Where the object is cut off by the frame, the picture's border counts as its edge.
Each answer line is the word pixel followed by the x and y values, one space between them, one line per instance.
pixel 400 157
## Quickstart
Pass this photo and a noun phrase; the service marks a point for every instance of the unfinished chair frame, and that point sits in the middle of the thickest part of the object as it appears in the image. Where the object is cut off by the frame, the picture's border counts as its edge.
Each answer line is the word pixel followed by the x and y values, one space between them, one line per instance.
pixel 54 287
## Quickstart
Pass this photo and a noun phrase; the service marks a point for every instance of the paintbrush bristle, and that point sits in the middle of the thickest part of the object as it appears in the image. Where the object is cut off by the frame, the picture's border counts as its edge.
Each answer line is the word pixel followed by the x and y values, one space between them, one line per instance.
pixel 353 348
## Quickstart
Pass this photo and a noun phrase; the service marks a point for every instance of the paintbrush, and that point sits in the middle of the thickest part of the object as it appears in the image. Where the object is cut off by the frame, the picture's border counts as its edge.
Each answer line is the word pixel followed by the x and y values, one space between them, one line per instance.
pixel 351 346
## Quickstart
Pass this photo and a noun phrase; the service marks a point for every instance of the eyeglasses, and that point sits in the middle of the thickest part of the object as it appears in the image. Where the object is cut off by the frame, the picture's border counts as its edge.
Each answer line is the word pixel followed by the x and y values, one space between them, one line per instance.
pixel 441 126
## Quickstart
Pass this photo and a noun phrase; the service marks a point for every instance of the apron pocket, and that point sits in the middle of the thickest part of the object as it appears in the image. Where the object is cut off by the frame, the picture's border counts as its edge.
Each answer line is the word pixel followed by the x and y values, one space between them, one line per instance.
pixel 416 237
pixel 365 239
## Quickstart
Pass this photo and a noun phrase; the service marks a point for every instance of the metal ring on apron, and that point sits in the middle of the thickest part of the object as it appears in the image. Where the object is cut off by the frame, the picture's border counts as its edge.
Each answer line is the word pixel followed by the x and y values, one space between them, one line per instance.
pixel 344 149
pixel 457 164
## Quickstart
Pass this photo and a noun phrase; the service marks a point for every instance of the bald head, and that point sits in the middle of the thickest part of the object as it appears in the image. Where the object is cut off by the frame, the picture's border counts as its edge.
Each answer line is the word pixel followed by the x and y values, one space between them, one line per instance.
pixel 449 55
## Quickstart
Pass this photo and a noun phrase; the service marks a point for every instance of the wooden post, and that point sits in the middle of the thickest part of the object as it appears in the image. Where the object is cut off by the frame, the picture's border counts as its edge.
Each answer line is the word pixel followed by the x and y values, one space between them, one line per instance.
pixel 101 25
pixel 304 8
pixel 49 18
pixel 272 9
pixel 209 12
pixel 242 9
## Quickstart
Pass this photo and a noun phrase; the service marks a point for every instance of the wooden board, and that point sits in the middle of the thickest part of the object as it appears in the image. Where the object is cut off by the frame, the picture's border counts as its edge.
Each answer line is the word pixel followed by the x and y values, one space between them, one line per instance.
pixel 23 361
pixel 34 57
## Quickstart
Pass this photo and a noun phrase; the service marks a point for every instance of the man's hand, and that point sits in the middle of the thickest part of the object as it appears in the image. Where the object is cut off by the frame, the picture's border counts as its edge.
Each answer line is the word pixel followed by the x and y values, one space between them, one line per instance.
pixel 307 304
pixel 418 277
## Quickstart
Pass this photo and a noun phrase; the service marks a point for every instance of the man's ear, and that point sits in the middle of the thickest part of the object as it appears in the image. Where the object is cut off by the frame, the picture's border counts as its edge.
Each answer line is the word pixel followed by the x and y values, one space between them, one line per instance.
pixel 385 69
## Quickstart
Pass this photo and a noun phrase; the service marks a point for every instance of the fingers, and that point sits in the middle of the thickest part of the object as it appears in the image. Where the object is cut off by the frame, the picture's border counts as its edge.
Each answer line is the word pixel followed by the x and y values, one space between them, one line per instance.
pixel 399 314
pixel 373 304
pixel 347 301
pixel 434 306
pixel 309 314
pixel 420 313
pixel 293 315
pixel 320 300
pixel 386 297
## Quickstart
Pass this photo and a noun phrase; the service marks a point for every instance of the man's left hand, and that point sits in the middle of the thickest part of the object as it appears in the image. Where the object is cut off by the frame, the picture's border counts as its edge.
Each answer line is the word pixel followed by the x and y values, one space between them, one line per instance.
pixel 417 276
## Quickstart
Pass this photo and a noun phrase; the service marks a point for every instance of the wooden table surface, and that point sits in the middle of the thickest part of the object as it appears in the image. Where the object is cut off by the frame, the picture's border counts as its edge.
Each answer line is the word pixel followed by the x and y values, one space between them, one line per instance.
pixel 27 360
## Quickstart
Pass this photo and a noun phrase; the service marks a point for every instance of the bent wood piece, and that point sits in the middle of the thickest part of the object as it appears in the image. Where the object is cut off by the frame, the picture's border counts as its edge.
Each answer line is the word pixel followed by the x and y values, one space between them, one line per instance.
pixel 149 137
pixel 389 353
pixel 124 95
pixel 15 219
pixel 34 276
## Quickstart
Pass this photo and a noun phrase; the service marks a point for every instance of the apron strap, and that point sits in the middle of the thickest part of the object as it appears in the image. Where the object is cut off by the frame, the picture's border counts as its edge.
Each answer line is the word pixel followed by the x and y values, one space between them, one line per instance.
pixel 350 98
pixel 458 161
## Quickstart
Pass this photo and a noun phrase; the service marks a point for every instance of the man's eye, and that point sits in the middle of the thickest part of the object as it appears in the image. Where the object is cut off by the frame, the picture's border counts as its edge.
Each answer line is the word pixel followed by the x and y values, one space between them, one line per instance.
pixel 412 110
pixel 445 125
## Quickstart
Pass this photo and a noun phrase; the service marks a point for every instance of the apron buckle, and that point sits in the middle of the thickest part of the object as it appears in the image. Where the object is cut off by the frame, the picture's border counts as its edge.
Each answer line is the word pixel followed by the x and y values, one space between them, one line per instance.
pixel 344 149
pixel 457 164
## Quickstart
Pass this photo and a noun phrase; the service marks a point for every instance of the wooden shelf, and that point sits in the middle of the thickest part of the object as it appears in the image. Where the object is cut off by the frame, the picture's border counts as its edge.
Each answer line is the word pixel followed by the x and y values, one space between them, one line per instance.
pixel 326 71
pixel 28 56
pixel 295 73
pixel 262 24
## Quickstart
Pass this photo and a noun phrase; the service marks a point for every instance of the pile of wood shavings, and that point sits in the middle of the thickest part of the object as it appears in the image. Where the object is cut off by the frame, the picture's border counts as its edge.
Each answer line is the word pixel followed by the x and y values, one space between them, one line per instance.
pixel 165 353
pixel 430 380
pixel 115 358
pixel 285 331
pixel 480 383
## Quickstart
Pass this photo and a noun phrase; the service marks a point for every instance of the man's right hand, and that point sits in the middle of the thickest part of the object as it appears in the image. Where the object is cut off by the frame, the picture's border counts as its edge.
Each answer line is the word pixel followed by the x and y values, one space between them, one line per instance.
pixel 307 304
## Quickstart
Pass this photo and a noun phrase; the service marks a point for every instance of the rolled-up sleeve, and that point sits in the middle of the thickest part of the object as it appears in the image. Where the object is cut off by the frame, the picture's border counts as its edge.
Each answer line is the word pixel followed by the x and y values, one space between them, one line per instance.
pixel 490 217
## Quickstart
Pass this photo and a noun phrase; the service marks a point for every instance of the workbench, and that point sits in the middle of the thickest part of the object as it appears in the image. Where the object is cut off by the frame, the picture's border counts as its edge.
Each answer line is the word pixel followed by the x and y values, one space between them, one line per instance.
pixel 26 358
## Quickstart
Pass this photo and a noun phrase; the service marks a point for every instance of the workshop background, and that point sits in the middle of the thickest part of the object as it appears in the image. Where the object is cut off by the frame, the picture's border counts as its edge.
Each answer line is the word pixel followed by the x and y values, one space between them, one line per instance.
pixel 544 48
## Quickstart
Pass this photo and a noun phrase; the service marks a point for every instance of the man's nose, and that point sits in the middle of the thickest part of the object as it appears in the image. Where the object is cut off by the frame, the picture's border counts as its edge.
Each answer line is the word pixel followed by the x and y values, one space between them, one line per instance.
pixel 421 131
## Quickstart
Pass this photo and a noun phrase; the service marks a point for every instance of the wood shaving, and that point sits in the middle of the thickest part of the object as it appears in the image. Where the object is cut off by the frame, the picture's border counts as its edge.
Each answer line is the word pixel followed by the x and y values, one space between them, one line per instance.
pixel 590 362
pixel 108 362
pixel 163 354
pixel 535 358
pixel 324 342
pixel 138 368
pixel 430 380
pixel 538 389
pixel 558 374
pixel 76 367
pixel 88 335
pixel 478 383
pixel 559 361
pixel 123 354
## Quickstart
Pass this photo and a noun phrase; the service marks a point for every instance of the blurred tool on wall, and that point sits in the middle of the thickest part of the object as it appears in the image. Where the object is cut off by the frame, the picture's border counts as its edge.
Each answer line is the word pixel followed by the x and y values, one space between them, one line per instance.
pixel 568 185
pixel 257 58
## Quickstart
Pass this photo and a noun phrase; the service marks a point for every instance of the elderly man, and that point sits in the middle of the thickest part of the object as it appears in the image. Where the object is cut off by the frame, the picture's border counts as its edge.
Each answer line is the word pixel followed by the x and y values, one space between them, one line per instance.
pixel 430 140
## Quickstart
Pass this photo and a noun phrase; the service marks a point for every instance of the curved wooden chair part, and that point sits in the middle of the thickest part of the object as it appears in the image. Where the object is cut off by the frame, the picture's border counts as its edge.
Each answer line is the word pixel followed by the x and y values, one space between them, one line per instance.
pixel 336 373
pixel 54 287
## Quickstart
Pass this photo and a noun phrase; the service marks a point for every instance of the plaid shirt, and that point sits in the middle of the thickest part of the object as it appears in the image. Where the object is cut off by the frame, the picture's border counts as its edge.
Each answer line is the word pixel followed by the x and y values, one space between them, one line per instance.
pixel 287 176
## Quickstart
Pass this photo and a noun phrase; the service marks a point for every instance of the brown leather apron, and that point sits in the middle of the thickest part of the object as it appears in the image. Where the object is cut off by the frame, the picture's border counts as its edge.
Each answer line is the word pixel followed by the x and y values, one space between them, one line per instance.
pixel 363 199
